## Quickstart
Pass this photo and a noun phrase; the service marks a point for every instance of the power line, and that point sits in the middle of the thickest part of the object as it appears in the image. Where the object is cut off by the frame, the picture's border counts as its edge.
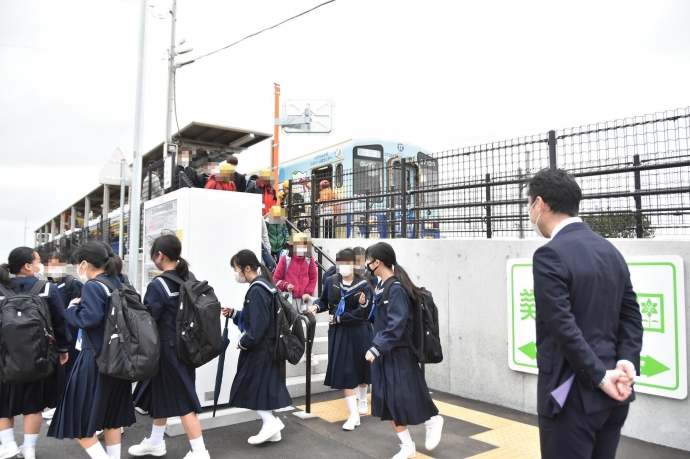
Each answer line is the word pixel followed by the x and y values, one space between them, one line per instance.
pixel 264 30
pixel 230 22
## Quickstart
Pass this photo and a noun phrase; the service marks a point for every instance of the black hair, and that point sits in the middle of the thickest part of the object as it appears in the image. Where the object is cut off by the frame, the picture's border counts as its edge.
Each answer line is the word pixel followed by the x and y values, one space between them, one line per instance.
pixel 232 159
pixel 254 177
pixel 247 258
pixel 170 246
pixel 56 256
pixel 558 189
pixel 350 256
pixel 118 262
pixel 99 254
pixel 15 262
pixel 360 251
pixel 383 252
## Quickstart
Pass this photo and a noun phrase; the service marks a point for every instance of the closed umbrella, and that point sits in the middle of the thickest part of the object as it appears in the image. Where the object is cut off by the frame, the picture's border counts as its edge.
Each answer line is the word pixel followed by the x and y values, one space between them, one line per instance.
pixel 221 365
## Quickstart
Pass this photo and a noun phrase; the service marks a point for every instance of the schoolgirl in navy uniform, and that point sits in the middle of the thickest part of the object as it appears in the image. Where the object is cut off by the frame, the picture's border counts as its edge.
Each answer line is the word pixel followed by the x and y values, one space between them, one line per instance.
pixel 348 335
pixel 398 391
pixel 30 399
pixel 93 401
pixel 258 384
pixel 172 391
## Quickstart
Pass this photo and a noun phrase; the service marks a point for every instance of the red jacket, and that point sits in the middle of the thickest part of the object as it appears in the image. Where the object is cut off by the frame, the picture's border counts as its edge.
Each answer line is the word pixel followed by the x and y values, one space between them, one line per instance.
pixel 301 274
pixel 214 184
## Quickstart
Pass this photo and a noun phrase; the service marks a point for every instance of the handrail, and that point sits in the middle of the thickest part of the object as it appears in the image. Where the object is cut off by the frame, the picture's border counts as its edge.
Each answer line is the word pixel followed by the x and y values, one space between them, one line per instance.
pixel 318 250
pixel 308 350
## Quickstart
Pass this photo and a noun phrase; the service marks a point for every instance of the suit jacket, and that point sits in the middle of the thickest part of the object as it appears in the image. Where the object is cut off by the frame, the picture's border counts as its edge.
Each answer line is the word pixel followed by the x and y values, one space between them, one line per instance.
pixel 587 316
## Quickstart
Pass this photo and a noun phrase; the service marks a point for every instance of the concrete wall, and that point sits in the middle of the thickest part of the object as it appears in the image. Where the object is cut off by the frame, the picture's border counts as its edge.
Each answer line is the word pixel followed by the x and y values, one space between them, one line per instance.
pixel 468 280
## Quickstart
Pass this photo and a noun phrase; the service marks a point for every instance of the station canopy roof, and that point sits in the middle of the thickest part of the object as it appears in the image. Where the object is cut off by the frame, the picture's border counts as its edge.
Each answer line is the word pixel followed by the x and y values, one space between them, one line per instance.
pixel 210 137
pixel 194 136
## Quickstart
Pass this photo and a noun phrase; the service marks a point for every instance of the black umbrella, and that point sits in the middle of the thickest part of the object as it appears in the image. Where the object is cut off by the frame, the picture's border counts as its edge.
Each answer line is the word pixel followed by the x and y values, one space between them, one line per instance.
pixel 221 365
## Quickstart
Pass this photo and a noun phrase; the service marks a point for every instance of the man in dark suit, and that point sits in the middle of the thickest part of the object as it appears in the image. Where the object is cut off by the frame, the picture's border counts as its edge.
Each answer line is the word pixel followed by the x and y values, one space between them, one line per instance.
pixel 589 327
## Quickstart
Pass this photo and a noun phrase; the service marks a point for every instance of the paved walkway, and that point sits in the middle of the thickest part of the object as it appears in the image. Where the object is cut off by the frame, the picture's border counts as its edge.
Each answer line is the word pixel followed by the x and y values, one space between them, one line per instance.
pixel 472 430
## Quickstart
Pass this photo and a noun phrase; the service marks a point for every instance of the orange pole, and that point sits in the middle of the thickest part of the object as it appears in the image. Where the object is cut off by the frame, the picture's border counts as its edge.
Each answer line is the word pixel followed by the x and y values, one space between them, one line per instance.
pixel 276 131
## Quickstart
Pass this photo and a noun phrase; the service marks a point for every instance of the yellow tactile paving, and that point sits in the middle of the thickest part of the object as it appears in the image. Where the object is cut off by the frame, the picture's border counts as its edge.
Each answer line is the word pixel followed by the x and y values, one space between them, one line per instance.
pixel 472 416
pixel 509 435
pixel 502 453
pixel 333 411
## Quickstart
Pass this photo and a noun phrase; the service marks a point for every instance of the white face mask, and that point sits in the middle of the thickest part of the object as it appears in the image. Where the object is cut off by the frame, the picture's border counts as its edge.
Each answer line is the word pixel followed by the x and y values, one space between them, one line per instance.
pixel 535 225
pixel 345 270
pixel 57 271
pixel 240 279
pixel 301 251
pixel 40 272
pixel 82 277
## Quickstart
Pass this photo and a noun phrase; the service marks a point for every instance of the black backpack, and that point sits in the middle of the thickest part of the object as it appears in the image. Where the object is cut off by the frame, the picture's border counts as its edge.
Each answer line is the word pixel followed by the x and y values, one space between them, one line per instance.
pixel 290 339
pixel 131 345
pixel 28 350
pixel 69 281
pixel 198 321
pixel 426 343
pixel 298 201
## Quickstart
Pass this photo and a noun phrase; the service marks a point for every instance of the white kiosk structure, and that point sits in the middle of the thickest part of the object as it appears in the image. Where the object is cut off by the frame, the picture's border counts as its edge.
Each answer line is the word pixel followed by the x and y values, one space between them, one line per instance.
pixel 212 225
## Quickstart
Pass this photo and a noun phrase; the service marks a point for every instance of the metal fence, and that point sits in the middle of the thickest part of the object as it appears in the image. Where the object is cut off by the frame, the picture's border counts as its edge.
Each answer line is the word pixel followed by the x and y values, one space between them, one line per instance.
pixel 634 174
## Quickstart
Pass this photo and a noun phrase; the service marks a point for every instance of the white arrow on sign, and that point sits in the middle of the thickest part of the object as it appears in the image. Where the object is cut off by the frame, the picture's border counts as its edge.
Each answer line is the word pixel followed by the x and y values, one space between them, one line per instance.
pixel 110 174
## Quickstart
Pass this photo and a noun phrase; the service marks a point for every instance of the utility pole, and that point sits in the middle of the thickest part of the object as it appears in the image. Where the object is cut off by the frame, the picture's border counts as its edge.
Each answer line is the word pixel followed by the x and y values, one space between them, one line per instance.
pixel 276 132
pixel 171 75
pixel 135 204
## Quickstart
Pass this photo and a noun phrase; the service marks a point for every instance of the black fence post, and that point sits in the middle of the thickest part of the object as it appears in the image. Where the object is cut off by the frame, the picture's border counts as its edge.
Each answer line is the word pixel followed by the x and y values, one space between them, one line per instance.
pixel 488 206
pixel 639 230
pixel 313 213
pixel 403 199
pixel 289 200
pixel 149 171
pixel 319 271
pixel 366 215
pixel 552 149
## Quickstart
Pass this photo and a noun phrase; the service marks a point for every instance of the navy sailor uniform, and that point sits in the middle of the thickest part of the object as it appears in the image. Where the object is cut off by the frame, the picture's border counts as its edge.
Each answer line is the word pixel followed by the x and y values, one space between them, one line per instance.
pixel 258 384
pixel 92 401
pixel 398 390
pixel 34 397
pixel 67 296
pixel 349 338
pixel 172 392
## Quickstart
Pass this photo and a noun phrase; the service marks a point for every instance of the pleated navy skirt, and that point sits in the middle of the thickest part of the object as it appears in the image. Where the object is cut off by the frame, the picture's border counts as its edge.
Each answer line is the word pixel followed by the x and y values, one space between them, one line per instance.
pixel 347 346
pixel 92 402
pixel 29 398
pixel 172 392
pixel 257 384
pixel 398 391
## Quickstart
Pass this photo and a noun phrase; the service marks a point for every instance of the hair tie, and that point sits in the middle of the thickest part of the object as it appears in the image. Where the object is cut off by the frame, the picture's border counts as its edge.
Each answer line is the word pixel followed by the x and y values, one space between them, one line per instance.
pixel 258 271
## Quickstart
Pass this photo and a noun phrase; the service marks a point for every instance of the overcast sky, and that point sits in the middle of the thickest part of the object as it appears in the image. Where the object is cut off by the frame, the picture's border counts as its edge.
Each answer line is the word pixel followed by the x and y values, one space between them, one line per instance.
pixel 440 74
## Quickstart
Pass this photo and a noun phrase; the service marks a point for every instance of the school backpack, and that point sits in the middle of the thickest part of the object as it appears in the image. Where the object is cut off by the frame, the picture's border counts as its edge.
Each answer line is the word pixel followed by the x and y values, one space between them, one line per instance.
pixel 298 201
pixel 198 321
pixel 69 282
pixel 290 339
pixel 426 342
pixel 287 261
pixel 131 345
pixel 27 342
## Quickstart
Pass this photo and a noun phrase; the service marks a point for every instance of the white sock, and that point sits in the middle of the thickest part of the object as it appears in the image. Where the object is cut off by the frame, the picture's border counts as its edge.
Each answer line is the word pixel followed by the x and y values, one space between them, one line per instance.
pixel 405 438
pixel 432 421
pixel 198 445
pixel 157 434
pixel 97 452
pixel 352 405
pixel 7 436
pixel 266 416
pixel 30 440
pixel 363 393
pixel 114 450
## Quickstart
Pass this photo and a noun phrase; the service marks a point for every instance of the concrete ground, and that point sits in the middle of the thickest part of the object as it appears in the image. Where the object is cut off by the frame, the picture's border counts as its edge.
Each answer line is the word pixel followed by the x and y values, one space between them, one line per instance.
pixel 495 431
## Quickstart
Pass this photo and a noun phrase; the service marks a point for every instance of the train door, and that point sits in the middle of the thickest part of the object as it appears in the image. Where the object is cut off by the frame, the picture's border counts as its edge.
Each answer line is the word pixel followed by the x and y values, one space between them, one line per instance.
pixel 317 175
pixel 395 178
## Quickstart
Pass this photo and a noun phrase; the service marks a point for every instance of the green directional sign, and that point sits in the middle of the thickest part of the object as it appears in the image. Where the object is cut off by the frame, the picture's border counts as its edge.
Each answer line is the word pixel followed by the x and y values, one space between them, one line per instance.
pixel 659 284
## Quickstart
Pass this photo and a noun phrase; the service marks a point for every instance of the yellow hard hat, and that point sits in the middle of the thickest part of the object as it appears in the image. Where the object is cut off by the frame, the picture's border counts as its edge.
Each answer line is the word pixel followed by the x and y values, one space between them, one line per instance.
pixel 286 184
pixel 227 168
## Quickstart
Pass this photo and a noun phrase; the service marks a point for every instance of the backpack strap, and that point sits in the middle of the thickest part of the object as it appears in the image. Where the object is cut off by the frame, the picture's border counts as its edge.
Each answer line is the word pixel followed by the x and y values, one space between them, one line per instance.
pixel 69 280
pixel 7 293
pixel 386 288
pixel 336 279
pixel 264 284
pixel 39 288
pixel 107 283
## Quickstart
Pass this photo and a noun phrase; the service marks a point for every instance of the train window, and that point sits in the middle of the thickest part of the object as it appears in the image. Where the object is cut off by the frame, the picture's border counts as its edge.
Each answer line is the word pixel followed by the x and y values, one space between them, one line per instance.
pixel 428 178
pixel 339 175
pixel 368 171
